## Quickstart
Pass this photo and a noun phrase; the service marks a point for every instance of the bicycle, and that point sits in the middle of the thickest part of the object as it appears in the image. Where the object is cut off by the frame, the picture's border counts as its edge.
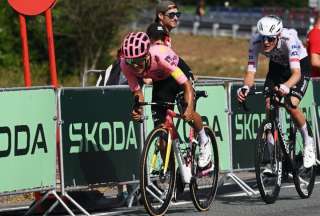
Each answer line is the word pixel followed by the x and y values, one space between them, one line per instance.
pixel 158 174
pixel 283 157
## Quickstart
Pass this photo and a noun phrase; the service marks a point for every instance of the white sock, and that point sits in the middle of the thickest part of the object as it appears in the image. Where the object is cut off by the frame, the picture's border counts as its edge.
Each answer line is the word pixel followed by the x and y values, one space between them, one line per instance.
pixel 304 132
pixel 203 137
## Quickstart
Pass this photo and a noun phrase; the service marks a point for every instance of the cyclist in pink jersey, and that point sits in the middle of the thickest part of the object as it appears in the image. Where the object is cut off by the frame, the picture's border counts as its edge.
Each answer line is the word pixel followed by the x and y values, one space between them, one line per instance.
pixel 159 62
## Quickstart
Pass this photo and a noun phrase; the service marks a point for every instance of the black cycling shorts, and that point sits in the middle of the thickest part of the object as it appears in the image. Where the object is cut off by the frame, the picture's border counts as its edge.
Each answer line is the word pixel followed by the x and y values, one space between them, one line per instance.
pixel 279 74
pixel 166 91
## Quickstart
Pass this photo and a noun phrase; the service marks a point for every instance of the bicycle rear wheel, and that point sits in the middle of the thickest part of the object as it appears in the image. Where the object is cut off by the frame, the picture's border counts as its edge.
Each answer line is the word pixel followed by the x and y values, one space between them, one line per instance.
pixel 303 178
pixel 268 163
pixel 156 186
pixel 203 185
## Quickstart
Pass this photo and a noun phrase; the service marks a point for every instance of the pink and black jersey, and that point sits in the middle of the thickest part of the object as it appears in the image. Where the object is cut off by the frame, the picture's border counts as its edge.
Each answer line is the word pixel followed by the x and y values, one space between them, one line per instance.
pixel 288 51
pixel 163 64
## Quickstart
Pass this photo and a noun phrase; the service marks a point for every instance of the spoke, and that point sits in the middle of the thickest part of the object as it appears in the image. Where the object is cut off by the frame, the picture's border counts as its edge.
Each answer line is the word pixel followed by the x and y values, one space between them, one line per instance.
pixel 304 182
pixel 156 189
pixel 154 195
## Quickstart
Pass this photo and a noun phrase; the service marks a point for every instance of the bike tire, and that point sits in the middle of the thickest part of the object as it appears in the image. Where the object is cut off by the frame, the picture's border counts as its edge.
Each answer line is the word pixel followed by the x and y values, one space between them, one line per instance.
pixel 268 185
pixel 203 197
pixel 303 178
pixel 155 196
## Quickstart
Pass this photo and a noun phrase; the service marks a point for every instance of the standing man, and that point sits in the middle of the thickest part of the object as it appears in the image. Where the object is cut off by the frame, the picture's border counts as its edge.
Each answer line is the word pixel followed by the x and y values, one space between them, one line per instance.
pixel 166 19
pixel 167 15
pixel 313 43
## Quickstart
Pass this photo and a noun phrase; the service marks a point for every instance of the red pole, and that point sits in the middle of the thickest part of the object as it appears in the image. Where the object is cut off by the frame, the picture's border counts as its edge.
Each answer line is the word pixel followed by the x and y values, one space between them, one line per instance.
pixel 25 50
pixel 52 59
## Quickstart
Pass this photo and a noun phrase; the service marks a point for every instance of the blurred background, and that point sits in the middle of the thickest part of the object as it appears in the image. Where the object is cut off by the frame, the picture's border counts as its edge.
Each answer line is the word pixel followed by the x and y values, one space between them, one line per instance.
pixel 213 42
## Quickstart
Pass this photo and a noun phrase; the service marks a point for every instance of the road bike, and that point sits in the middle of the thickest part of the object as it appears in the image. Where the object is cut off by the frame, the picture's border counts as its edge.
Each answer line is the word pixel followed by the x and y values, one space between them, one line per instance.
pixel 278 157
pixel 162 151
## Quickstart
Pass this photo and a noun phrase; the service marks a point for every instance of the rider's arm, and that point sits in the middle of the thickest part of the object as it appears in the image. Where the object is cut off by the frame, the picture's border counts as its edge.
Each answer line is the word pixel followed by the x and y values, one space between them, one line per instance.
pixel 294 79
pixel 188 94
pixel 248 79
pixel 129 73
pixel 253 52
pixel 181 79
pixel 294 61
pixel 139 94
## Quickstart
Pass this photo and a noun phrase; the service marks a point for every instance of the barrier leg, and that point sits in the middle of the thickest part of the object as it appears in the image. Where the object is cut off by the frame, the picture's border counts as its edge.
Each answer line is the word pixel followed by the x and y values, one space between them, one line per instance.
pixel 76 204
pixel 51 209
pixel 132 195
pixel 245 187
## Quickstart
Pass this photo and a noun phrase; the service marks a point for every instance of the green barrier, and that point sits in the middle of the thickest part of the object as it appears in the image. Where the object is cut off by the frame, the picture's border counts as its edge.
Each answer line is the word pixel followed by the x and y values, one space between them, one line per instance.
pixel 100 142
pixel 213 112
pixel 244 127
pixel 27 139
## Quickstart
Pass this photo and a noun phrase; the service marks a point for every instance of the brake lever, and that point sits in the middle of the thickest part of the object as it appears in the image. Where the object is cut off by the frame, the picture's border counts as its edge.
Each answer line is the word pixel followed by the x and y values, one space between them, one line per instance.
pixel 243 104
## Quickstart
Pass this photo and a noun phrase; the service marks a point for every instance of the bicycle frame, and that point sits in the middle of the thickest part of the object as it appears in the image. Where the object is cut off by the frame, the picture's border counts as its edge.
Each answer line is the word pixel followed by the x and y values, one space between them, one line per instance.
pixel 172 137
pixel 274 117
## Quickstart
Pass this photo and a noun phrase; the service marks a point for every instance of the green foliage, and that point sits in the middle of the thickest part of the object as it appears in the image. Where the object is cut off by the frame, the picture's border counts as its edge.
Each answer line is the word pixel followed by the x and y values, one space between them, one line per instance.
pixel 10 46
pixel 85 32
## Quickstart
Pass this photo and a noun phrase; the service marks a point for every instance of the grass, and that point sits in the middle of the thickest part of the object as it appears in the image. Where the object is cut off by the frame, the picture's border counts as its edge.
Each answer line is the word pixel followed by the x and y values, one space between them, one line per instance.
pixel 221 56
pixel 206 55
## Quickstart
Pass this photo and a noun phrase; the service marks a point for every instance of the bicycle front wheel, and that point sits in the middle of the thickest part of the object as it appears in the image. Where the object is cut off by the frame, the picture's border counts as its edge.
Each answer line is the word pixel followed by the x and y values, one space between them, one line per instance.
pixel 156 184
pixel 303 178
pixel 268 163
pixel 203 185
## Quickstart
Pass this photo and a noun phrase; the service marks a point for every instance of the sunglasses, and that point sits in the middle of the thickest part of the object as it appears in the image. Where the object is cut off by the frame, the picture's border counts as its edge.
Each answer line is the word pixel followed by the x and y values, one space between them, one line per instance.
pixel 136 61
pixel 173 14
pixel 269 38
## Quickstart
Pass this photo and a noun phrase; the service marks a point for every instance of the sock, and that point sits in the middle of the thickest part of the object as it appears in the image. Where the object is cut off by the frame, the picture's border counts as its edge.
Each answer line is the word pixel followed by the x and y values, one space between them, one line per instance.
pixel 304 132
pixel 203 137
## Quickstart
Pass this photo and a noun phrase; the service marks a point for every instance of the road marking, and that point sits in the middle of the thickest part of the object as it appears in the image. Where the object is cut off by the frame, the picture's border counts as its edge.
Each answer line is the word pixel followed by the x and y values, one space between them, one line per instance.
pixel 245 194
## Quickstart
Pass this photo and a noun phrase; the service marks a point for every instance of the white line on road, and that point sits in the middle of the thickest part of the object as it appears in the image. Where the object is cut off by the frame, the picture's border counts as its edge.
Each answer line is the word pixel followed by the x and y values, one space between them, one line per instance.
pixel 245 194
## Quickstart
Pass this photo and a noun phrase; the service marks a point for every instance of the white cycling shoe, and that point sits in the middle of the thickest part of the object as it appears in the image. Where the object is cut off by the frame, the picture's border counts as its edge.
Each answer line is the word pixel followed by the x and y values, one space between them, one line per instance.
pixel 309 156
pixel 205 154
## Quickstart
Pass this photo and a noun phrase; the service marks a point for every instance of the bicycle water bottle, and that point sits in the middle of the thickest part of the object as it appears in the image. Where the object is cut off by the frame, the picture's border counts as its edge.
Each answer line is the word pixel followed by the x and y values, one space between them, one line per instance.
pixel 184 166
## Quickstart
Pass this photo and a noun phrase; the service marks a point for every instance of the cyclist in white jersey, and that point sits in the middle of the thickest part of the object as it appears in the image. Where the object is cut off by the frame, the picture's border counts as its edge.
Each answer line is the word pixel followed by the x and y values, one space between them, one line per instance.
pixel 289 71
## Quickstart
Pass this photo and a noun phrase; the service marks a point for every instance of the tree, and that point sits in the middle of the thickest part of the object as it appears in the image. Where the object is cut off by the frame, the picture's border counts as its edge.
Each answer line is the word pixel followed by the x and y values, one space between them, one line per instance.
pixel 86 30
pixel 10 48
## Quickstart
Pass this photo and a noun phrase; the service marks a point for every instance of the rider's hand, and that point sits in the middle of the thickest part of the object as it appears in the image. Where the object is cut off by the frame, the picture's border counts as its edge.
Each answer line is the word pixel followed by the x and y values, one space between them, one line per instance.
pixel 282 90
pixel 187 115
pixel 136 114
pixel 242 93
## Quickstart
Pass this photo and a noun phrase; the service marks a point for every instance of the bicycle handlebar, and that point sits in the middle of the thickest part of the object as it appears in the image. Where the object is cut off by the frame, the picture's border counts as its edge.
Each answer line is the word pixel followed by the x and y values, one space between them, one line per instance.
pixel 275 98
pixel 137 104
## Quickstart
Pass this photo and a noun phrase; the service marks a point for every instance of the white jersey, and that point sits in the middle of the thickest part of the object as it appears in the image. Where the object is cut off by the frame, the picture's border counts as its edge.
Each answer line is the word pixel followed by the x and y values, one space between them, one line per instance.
pixel 289 50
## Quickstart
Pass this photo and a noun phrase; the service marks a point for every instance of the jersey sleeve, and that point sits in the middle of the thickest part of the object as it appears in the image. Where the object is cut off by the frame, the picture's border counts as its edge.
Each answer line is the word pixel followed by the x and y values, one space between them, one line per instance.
pixel 129 74
pixel 253 54
pixel 314 41
pixel 168 61
pixel 293 50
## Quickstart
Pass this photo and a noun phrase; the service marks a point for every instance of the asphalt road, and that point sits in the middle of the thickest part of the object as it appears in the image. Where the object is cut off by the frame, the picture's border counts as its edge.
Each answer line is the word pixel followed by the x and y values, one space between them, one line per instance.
pixel 239 204
pixel 231 201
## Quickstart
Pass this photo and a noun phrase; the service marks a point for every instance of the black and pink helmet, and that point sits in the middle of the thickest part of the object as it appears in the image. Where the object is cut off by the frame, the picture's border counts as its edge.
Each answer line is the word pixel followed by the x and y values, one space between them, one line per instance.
pixel 135 45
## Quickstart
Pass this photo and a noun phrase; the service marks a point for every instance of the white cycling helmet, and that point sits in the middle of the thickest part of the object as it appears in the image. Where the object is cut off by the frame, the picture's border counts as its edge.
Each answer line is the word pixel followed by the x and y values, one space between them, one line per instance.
pixel 270 25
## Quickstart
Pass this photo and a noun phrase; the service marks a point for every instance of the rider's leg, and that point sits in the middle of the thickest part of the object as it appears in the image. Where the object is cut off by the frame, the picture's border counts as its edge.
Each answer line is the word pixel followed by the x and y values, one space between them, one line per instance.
pixel 198 126
pixel 204 145
pixel 300 121
pixel 298 118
